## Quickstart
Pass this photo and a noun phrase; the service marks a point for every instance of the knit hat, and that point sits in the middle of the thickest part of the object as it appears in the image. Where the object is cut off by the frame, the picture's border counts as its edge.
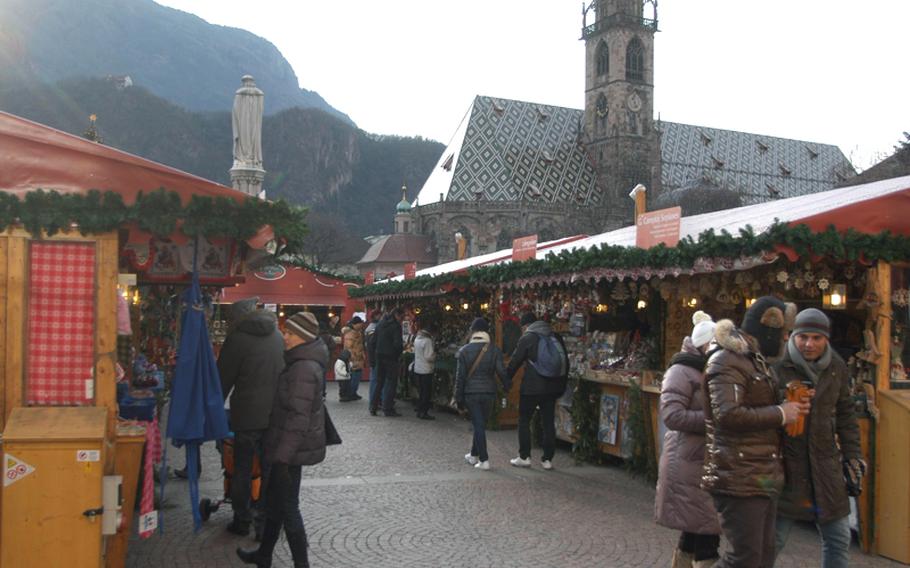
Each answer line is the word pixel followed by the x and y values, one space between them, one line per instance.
pixel 527 318
pixel 703 332
pixel 304 325
pixel 812 320
pixel 354 321
pixel 480 324
pixel 766 320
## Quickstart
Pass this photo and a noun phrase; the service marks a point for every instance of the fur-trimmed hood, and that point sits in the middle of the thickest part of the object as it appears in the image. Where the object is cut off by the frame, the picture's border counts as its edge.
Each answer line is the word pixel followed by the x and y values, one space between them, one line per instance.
pixel 728 336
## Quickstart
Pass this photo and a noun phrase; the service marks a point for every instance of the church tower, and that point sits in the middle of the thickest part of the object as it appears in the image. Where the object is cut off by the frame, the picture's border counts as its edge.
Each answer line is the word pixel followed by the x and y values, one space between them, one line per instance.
pixel 620 136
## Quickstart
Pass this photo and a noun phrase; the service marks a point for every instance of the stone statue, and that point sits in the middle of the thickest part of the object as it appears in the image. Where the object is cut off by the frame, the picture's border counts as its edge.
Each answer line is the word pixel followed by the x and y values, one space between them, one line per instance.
pixel 247 124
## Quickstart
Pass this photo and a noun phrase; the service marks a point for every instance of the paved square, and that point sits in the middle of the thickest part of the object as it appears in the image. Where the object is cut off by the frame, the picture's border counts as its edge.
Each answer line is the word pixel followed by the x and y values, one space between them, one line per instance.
pixel 397 493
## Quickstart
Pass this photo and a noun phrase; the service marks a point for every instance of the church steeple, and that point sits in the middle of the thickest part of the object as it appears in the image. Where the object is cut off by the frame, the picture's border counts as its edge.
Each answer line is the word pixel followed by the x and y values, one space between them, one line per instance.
pixel 403 221
pixel 619 129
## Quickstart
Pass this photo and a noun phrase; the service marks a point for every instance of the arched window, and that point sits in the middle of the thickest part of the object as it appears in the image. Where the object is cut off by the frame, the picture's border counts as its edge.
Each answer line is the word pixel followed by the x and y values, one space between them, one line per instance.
pixel 603 59
pixel 635 60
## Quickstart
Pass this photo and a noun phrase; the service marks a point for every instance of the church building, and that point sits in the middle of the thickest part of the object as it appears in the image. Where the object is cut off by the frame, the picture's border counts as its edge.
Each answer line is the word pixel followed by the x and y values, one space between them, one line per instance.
pixel 517 168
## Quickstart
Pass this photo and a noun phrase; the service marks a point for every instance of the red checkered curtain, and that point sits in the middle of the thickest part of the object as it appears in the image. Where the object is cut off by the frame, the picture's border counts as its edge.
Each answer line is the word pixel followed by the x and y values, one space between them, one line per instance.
pixel 61 324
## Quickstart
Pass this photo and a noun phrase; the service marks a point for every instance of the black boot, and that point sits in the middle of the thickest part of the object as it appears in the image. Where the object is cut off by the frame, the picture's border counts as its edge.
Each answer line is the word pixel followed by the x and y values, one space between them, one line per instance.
pixel 298 545
pixel 262 556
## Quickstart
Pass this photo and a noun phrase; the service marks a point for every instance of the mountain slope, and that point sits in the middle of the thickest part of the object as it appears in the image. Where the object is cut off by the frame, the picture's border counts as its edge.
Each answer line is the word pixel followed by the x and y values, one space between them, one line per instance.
pixel 176 55
pixel 311 157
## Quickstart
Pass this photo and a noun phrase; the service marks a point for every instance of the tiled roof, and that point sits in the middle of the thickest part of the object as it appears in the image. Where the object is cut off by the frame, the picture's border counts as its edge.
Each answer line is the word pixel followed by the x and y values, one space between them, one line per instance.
pixel 508 149
pixel 756 167
pixel 400 247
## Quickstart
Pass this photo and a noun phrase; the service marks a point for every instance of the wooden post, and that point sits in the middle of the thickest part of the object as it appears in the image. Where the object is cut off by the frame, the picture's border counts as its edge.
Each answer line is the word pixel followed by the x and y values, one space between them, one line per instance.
pixel 14 351
pixel 883 325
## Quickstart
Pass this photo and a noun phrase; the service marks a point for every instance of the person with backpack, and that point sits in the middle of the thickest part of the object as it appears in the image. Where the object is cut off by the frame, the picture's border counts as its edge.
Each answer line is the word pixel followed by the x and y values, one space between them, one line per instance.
pixel 479 362
pixel 546 370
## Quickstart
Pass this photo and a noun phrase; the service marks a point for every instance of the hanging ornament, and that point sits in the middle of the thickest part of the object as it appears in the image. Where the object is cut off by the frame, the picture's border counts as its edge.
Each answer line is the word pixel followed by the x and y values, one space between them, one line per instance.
pixel 849 272
pixel 666 291
pixel 823 284
pixel 901 297
pixel 748 278
pixel 798 283
pixel 809 277
pixel 783 276
pixel 706 287
pixel 756 286
pixel 736 297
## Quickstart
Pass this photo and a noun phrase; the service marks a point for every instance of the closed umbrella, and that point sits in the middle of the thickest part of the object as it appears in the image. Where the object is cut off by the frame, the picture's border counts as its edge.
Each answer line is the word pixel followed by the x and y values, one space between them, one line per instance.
pixel 197 406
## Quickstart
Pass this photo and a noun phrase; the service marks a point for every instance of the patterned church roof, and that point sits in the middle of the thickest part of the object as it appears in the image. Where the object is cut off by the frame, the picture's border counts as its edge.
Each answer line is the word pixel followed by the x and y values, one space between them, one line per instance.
pixel 505 149
pixel 756 167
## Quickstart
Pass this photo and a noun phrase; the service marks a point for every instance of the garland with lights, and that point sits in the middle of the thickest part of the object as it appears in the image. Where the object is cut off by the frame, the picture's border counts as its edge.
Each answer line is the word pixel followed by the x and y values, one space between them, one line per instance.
pixel 643 460
pixel 158 212
pixel 850 245
pixel 585 401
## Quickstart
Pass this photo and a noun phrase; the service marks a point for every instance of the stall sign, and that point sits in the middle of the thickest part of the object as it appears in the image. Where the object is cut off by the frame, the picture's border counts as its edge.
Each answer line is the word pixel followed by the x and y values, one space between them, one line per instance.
pixel 655 227
pixel 271 272
pixel 524 248
pixel 15 470
pixel 410 270
pixel 369 278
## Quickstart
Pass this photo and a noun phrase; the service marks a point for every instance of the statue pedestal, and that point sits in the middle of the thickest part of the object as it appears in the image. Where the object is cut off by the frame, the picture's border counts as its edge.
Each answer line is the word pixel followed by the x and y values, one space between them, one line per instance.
pixel 247 179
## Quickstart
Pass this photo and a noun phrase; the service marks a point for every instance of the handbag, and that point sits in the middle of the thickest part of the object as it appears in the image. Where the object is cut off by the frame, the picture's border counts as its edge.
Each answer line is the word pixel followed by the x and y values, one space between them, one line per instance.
pixel 331 433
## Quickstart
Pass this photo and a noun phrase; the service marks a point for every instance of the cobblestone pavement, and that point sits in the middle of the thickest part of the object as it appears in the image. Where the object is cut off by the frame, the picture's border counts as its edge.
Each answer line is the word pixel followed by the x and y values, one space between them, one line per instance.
pixel 397 493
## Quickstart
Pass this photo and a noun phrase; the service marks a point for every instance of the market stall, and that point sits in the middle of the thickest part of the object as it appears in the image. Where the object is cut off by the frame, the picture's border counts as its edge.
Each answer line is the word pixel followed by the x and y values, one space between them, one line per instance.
pixel 626 310
pixel 84 227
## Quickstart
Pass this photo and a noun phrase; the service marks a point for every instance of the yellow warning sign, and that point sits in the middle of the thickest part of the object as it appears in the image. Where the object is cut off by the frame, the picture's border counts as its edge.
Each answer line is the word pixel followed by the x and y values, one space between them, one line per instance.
pixel 15 469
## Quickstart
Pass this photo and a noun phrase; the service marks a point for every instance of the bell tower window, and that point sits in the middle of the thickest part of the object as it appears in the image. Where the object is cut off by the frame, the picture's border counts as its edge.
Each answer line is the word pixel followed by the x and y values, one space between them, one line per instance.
pixel 635 61
pixel 603 59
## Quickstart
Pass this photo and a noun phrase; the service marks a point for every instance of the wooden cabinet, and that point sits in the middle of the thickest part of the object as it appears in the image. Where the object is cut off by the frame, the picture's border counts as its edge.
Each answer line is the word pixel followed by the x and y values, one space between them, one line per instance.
pixel 53 469
pixel 892 476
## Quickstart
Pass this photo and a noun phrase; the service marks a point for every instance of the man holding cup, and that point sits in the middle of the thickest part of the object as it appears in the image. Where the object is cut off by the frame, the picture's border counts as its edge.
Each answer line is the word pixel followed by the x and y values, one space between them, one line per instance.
pixel 815 489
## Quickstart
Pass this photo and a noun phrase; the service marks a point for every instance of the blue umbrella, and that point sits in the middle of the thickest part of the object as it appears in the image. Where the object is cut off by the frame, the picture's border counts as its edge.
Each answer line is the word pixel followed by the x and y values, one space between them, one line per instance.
pixel 197 407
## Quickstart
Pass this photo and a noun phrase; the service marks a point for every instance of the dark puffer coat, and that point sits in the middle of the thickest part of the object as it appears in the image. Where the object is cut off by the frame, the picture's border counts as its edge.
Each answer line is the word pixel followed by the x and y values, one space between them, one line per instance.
pixel 815 488
pixel 249 362
pixel 296 434
pixel 681 503
pixel 389 342
pixel 532 383
pixel 743 422
pixel 483 381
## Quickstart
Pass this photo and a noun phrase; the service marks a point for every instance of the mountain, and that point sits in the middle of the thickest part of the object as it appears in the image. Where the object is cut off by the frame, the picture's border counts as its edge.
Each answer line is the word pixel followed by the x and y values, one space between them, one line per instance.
pixel 312 158
pixel 176 55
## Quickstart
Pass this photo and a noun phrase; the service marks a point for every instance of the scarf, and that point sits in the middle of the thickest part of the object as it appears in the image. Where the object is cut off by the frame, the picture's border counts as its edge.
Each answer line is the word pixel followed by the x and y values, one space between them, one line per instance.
pixel 812 369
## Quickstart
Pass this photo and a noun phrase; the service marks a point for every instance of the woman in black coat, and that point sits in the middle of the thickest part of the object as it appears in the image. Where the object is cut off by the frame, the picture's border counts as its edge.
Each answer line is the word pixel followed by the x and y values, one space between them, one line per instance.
pixel 295 437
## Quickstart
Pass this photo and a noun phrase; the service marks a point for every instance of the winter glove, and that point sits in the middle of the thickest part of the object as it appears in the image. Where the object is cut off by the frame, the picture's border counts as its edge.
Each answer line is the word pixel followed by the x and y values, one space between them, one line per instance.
pixel 854 470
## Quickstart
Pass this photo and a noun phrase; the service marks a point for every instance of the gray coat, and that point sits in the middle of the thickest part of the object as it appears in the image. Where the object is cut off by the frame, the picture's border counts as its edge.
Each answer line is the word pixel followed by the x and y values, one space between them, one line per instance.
pixel 249 362
pixel 296 434
pixel 483 381
pixel 681 503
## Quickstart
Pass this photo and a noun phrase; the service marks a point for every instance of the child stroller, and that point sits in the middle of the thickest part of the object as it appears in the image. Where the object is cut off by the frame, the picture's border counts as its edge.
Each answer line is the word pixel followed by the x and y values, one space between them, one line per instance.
pixel 208 506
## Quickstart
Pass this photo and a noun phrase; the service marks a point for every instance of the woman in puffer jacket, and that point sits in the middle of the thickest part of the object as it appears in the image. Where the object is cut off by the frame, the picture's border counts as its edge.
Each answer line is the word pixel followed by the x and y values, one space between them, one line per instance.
pixel 681 503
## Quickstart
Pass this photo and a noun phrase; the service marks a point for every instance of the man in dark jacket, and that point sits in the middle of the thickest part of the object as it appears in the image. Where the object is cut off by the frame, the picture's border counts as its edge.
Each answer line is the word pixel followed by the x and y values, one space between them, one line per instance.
pixel 537 391
pixel 295 437
pixel 388 348
pixel 815 489
pixel 743 470
pixel 249 363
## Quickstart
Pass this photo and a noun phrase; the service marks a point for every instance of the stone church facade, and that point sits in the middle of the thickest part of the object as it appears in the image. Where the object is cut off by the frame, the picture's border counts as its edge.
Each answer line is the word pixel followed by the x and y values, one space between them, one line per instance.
pixel 515 168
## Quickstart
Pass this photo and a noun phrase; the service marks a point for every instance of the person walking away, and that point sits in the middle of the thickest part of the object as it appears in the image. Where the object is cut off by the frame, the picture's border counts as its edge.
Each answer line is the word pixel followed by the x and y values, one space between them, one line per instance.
pixel 295 438
pixel 343 375
pixel 352 340
pixel 389 347
pixel 369 336
pixel 249 363
pixel 424 369
pixel 813 460
pixel 478 364
pixel 681 503
pixel 546 369
pixel 743 469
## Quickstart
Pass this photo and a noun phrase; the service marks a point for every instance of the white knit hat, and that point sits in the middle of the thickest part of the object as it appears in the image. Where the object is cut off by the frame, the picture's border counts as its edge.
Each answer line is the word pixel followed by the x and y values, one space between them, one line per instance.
pixel 703 330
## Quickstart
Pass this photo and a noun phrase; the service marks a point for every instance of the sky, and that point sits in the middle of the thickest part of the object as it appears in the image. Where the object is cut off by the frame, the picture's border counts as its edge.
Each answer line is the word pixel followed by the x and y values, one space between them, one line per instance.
pixel 824 71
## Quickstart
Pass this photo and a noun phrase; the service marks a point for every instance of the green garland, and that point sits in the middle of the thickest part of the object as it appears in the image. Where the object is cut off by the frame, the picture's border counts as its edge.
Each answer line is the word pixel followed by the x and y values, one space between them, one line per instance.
pixel 846 246
pixel 295 261
pixel 644 455
pixel 158 212
pixel 585 403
